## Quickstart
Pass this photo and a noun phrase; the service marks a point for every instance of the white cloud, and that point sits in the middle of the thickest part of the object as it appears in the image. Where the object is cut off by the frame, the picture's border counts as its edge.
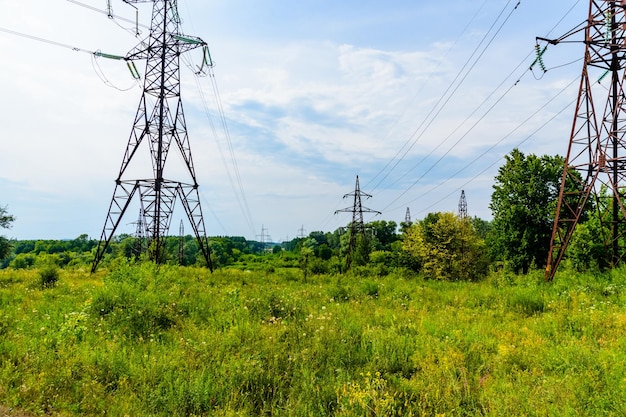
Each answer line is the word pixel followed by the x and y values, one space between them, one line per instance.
pixel 309 106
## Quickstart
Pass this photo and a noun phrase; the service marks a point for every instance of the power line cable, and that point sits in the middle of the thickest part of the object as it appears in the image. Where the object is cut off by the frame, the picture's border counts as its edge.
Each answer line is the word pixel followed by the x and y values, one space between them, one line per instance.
pixel 238 191
pixel 48 41
pixel 428 78
pixel 113 16
pixel 232 152
pixel 445 98
pixel 488 150
pixel 484 115
pixel 496 161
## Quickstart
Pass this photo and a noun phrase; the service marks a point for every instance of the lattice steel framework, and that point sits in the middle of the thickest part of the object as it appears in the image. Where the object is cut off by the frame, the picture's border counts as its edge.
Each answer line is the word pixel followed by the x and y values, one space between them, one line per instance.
pixel 160 122
pixel 595 166
pixel 357 227
pixel 462 206
pixel 140 236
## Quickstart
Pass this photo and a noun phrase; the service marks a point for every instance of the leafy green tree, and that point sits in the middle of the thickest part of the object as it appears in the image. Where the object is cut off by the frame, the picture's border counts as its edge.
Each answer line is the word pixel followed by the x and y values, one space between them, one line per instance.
pixel 481 226
pixel 307 250
pixel 383 233
pixel 523 204
pixel 586 249
pixel 362 249
pixel 446 247
pixel 6 221
pixel 320 237
pixel 323 252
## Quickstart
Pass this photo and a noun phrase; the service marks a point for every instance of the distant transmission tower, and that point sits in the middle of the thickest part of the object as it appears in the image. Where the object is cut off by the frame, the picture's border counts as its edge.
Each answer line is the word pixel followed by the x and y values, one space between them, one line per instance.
pixel 140 236
pixel 357 227
pixel 595 166
pixel 160 122
pixel 265 238
pixel 407 216
pixel 462 206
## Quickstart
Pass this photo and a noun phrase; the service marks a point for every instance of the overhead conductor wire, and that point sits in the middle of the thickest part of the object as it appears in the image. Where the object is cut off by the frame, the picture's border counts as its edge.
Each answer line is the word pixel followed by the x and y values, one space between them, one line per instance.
pixel 483 116
pixel 488 150
pixel 428 78
pixel 236 183
pixel 406 143
pixel 445 98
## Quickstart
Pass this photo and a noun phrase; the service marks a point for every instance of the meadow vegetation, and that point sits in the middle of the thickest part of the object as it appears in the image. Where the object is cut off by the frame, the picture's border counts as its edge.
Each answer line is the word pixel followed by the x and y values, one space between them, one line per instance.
pixel 139 339
pixel 445 316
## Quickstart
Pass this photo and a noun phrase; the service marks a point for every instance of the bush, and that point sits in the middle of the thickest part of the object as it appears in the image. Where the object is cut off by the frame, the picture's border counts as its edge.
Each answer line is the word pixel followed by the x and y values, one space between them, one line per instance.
pixel 527 302
pixel 48 276
pixel 370 288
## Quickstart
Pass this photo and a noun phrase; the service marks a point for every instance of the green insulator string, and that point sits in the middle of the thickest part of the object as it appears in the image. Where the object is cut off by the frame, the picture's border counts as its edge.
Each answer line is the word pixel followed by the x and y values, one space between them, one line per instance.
pixel 108 56
pixel 185 39
pixel 603 76
pixel 175 15
pixel 133 70
pixel 207 61
pixel 539 59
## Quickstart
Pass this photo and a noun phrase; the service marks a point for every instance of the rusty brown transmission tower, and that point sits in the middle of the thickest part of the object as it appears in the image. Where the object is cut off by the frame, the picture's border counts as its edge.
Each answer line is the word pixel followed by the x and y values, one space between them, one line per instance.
pixel 160 124
pixel 595 167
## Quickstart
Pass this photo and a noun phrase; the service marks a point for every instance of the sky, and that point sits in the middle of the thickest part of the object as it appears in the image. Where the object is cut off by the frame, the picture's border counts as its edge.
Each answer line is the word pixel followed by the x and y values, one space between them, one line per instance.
pixel 420 99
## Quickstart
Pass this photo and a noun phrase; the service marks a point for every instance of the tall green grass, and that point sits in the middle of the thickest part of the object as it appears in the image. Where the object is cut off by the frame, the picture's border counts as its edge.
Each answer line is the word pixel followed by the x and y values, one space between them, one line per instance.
pixel 169 341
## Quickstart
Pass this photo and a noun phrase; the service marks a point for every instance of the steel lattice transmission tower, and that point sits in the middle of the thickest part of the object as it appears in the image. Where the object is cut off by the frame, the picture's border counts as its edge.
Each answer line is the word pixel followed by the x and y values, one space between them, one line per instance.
pixel 160 122
pixel 462 206
pixel 140 236
pixel 357 227
pixel 595 166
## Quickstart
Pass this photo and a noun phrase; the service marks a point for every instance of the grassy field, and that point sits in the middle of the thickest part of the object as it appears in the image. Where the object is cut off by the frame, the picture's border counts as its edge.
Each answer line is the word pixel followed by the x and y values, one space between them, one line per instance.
pixel 170 341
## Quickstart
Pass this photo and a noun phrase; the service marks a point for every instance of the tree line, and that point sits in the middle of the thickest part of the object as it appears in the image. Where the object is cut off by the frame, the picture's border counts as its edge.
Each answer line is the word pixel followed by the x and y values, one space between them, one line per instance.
pixel 442 245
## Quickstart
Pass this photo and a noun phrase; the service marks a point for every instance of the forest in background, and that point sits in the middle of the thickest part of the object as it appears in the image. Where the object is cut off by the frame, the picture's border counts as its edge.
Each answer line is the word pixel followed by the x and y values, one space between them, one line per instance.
pixel 444 245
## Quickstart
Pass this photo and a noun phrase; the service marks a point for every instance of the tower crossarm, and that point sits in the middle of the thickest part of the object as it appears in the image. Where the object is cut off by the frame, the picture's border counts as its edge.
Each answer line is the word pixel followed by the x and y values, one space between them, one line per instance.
pixel 160 121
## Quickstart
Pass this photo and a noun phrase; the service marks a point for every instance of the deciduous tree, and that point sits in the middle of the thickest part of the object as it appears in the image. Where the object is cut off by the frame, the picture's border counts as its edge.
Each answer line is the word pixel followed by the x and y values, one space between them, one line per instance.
pixel 523 204
pixel 446 247
pixel 6 221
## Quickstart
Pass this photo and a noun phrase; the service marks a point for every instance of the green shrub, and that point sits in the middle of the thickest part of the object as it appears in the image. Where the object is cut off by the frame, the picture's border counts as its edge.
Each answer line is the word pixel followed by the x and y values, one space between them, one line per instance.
pixel 370 288
pixel 48 276
pixel 339 293
pixel 528 302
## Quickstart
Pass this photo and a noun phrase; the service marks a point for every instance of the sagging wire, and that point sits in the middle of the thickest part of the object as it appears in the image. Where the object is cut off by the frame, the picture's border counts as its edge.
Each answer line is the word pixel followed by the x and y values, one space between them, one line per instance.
pixel 428 78
pixel 207 63
pixel 453 87
pixel 94 55
pixel 237 188
pixel 109 12
pixel 492 147
pixel 539 61
pixel 100 73
pixel 134 72
pixel 137 31
pixel 462 186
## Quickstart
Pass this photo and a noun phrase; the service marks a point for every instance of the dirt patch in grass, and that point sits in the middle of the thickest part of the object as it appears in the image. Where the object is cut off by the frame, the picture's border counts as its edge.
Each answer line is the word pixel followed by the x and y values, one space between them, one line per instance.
pixel 10 412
